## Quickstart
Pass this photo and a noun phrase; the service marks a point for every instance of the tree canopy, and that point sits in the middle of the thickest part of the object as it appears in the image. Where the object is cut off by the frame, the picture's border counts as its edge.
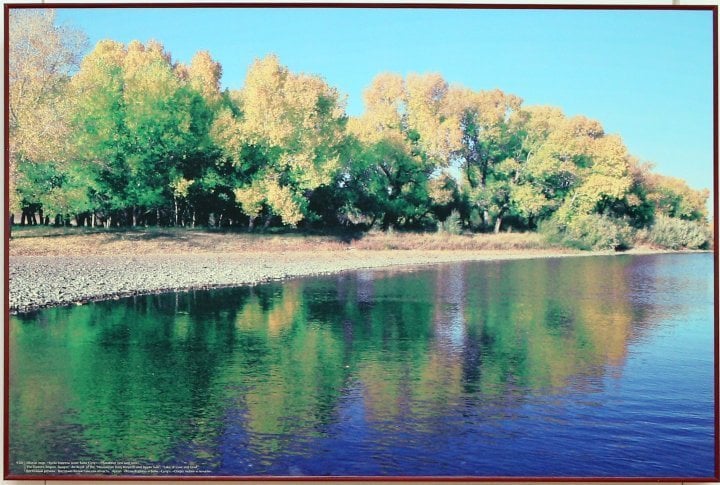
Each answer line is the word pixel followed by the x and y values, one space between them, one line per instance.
pixel 127 136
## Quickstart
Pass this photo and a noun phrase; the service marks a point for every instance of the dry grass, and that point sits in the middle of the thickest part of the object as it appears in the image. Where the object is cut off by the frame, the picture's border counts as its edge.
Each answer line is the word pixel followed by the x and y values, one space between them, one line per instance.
pixel 161 241
pixel 441 241
pixel 72 241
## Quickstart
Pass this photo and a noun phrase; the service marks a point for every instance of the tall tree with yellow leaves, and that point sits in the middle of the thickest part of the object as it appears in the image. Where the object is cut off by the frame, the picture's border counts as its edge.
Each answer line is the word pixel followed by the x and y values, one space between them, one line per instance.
pixel 285 141
pixel 42 57
pixel 409 135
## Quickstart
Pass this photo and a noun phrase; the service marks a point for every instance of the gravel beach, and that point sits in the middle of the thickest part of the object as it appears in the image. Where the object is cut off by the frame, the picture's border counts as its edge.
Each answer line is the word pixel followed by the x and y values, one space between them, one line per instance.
pixel 42 281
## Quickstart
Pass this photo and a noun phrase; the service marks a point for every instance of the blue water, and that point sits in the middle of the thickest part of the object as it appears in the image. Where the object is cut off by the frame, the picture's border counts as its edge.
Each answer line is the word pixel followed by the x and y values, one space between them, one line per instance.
pixel 574 367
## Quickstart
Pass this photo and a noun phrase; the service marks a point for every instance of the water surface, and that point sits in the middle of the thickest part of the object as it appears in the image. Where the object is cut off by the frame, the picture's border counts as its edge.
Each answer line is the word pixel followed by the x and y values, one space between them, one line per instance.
pixel 594 366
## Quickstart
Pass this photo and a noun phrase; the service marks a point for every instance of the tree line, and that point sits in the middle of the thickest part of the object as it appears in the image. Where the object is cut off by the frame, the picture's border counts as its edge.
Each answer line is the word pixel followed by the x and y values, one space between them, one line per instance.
pixel 126 136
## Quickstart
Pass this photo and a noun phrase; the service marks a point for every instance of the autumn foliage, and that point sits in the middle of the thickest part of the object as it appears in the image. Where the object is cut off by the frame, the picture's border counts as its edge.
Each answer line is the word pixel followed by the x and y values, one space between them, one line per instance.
pixel 126 136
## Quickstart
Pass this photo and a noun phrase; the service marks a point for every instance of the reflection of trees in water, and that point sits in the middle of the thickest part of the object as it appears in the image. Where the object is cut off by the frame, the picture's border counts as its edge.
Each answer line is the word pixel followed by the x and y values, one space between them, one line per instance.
pixel 134 376
pixel 163 377
pixel 525 328
pixel 534 326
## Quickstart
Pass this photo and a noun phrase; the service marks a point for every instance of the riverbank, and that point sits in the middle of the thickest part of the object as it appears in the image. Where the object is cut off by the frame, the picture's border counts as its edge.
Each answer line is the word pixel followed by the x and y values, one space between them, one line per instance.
pixel 74 269
pixel 50 241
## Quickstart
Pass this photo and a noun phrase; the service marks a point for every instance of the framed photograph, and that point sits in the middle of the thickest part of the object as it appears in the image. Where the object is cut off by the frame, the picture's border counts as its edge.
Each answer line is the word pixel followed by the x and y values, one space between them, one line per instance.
pixel 340 241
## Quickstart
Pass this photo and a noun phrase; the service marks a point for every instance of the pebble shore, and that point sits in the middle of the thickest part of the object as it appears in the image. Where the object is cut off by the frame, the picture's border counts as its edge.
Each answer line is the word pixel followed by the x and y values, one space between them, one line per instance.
pixel 43 281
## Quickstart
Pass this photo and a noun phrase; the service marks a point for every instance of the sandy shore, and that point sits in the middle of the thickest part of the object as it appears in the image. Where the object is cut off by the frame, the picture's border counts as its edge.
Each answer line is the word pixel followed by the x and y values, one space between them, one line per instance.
pixel 42 281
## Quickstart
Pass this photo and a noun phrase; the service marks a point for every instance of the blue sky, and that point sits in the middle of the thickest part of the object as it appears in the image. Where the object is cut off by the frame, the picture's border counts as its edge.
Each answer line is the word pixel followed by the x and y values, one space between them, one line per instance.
pixel 646 75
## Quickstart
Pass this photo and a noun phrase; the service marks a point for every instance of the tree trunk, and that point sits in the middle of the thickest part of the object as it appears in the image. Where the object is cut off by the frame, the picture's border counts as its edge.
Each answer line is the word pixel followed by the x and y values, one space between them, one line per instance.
pixel 251 224
pixel 176 211
pixel 469 177
pixel 134 216
pixel 498 222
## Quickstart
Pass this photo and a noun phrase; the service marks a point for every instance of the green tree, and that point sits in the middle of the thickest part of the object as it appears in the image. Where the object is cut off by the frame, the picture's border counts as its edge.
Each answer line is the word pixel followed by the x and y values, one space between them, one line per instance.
pixel 489 151
pixel 142 124
pixel 536 193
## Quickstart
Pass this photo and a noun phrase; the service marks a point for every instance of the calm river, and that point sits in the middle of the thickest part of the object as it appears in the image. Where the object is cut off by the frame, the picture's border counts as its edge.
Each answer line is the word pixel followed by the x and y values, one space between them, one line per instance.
pixel 592 366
